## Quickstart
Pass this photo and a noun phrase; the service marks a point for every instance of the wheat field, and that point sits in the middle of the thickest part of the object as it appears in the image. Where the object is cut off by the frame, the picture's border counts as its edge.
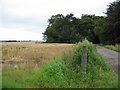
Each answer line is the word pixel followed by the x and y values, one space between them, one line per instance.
pixel 30 55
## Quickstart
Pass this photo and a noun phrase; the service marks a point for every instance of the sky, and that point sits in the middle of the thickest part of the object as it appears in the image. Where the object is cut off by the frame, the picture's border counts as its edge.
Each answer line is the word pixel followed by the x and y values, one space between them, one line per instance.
pixel 28 19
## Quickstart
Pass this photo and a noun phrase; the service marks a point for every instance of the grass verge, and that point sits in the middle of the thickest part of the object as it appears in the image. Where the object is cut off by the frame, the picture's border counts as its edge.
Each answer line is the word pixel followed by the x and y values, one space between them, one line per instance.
pixel 113 47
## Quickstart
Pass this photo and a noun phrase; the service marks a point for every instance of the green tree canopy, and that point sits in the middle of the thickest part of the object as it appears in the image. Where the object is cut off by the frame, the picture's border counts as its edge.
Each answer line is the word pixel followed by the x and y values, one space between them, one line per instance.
pixel 113 19
pixel 69 29
pixel 97 29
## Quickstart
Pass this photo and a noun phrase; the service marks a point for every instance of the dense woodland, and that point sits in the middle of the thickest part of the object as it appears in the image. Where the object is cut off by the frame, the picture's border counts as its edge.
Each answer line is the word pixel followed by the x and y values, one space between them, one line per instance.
pixel 97 29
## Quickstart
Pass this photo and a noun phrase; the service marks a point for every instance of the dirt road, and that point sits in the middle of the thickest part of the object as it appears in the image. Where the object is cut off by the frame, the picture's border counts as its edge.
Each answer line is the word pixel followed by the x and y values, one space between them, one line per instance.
pixel 110 56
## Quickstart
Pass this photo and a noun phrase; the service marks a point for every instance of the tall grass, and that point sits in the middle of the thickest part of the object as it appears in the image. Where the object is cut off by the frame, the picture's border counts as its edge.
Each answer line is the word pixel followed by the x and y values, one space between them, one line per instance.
pixel 115 47
pixel 65 72
pixel 25 53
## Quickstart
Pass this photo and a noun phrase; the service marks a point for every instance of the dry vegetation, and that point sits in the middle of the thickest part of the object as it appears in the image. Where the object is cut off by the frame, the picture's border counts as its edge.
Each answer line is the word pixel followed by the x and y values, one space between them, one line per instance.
pixel 29 55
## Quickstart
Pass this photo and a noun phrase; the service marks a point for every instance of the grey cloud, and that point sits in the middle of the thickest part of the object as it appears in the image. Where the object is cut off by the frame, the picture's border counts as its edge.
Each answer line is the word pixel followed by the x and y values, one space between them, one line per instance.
pixel 29 23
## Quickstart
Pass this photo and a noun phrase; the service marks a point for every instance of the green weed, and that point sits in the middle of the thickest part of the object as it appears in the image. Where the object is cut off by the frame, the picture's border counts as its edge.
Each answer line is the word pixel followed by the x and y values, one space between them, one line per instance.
pixel 113 47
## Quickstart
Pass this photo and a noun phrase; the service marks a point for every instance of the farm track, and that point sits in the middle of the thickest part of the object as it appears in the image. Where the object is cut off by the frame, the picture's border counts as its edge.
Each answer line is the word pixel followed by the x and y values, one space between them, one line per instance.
pixel 110 56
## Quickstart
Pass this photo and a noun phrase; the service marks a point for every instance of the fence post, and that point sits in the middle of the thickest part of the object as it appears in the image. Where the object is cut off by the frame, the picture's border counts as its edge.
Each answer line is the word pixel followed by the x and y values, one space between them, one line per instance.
pixel 84 59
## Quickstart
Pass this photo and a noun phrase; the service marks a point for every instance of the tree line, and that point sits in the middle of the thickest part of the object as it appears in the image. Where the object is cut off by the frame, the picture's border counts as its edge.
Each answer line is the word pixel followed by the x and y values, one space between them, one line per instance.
pixel 97 29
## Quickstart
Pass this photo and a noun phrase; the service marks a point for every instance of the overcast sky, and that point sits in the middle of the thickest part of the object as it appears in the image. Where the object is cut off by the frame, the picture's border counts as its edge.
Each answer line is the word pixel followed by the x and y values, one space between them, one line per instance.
pixel 27 19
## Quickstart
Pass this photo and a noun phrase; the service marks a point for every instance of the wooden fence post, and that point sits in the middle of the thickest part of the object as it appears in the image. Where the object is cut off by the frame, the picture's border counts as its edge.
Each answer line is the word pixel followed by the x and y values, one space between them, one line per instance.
pixel 84 59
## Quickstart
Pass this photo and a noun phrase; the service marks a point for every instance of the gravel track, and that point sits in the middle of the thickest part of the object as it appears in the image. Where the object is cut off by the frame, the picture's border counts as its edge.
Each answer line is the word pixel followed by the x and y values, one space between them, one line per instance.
pixel 110 56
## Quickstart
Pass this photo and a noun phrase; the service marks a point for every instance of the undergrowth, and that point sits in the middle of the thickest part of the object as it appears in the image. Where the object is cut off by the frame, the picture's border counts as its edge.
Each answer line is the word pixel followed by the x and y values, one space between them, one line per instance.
pixel 115 47
pixel 65 72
